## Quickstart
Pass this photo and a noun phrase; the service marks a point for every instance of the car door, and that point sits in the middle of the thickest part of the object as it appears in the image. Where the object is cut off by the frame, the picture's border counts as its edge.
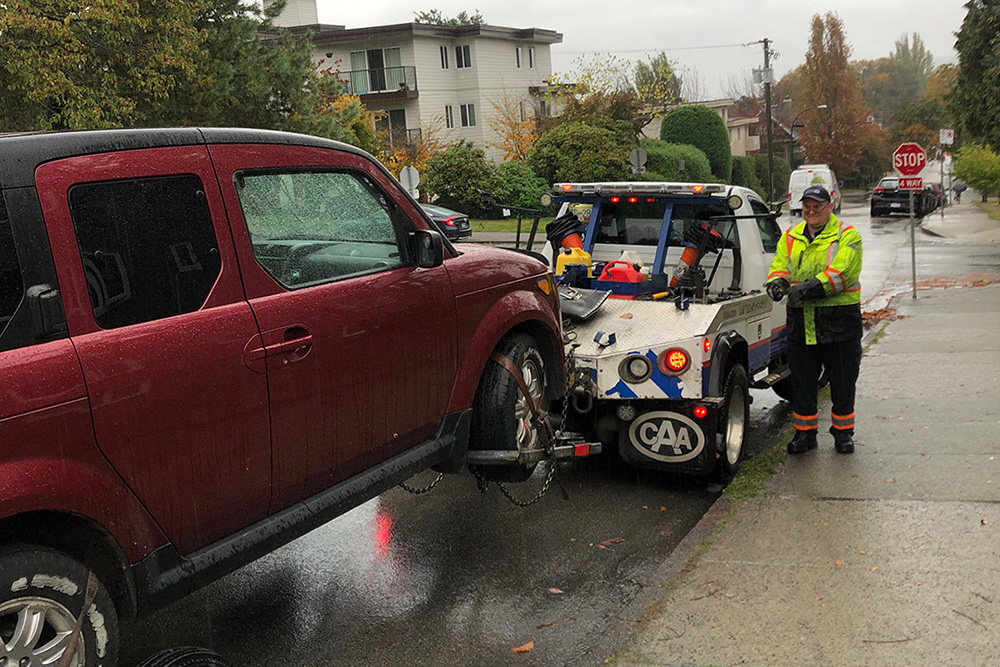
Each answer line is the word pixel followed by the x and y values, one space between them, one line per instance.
pixel 359 344
pixel 156 312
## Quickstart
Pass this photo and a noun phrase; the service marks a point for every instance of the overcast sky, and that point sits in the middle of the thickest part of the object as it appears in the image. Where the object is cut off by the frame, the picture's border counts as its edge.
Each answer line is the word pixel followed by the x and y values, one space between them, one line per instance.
pixel 684 29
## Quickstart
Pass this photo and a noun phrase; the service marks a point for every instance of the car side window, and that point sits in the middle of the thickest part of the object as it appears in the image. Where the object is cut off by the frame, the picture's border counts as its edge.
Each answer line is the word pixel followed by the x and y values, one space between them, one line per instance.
pixel 770 232
pixel 148 247
pixel 310 227
pixel 11 279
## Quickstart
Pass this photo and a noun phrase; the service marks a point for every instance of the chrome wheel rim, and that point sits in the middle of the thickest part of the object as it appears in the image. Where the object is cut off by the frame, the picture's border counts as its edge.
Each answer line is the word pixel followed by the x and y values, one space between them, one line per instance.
pixel 735 426
pixel 527 435
pixel 36 631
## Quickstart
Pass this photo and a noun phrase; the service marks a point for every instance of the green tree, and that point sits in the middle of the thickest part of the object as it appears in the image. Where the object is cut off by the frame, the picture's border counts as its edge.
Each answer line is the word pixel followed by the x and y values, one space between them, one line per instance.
pixel 979 167
pixel 703 128
pixel 915 65
pixel 745 174
pixel 457 174
pixel 520 186
pixel 833 137
pixel 664 162
pixel 72 65
pixel 573 152
pixel 656 84
pixel 434 17
pixel 975 102
pixel 781 173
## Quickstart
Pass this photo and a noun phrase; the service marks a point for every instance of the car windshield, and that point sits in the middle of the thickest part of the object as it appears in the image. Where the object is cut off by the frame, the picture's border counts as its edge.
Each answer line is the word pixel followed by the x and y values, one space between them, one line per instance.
pixel 888 183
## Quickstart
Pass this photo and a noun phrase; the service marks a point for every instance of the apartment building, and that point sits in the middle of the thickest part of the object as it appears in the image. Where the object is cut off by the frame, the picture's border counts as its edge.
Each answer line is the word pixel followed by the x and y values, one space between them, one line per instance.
pixel 449 80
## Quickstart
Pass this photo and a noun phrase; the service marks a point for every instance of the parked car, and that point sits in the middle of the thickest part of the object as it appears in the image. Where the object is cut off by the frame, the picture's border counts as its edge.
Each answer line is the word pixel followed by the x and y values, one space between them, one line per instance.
pixel 812 174
pixel 215 340
pixel 455 225
pixel 934 195
pixel 888 198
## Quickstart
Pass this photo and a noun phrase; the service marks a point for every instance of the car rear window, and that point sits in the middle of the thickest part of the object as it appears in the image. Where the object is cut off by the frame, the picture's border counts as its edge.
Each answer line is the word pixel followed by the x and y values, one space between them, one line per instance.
pixel 11 282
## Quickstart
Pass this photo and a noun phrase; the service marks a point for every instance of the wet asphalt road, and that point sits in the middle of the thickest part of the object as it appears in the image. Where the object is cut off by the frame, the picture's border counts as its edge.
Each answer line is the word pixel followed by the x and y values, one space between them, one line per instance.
pixel 458 577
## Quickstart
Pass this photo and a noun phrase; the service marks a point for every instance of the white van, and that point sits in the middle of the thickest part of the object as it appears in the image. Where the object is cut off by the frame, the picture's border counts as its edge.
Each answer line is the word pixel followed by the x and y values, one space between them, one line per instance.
pixel 812 174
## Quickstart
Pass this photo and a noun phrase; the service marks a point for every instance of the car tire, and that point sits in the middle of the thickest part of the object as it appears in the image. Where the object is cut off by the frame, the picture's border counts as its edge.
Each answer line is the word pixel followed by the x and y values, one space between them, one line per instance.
pixel 186 656
pixel 500 416
pixel 49 586
pixel 734 423
pixel 874 212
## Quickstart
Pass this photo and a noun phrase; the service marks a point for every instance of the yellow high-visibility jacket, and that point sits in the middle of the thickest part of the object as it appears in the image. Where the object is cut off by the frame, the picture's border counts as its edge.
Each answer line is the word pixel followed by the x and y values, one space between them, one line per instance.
pixel 834 257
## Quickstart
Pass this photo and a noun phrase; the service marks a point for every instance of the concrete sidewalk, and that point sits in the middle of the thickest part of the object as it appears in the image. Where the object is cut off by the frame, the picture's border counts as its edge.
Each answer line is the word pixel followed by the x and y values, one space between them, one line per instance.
pixel 888 556
pixel 964 221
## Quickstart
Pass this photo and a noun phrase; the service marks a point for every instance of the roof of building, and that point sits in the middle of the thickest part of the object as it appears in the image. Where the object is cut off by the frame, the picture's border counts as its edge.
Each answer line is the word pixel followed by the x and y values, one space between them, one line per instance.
pixel 331 34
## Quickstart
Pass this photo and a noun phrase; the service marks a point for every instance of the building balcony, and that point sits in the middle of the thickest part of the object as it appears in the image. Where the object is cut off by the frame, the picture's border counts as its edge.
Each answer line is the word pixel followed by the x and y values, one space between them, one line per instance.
pixel 382 83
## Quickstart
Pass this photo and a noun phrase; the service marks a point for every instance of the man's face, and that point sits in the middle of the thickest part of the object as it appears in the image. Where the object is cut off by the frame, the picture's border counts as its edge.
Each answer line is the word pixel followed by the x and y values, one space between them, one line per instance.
pixel 816 213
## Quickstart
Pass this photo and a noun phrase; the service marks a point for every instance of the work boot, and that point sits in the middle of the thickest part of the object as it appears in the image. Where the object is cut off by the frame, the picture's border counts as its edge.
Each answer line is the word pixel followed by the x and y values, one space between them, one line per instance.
pixel 802 442
pixel 843 442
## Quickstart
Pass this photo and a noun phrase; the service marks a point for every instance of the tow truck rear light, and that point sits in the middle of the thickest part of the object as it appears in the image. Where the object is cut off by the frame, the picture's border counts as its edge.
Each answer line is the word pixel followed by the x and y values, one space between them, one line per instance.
pixel 567 186
pixel 700 411
pixel 697 189
pixel 615 200
pixel 627 188
pixel 707 344
pixel 633 200
pixel 673 361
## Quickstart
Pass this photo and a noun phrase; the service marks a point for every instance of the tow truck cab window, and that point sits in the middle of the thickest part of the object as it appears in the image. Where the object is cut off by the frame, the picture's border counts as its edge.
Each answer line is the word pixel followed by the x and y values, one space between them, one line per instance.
pixel 640 222
pixel 11 281
pixel 309 228
pixel 770 232
pixel 148 247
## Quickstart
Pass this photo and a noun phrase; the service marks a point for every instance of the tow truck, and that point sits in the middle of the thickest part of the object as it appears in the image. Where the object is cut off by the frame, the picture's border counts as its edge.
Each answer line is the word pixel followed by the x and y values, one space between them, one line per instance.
pixel 666 323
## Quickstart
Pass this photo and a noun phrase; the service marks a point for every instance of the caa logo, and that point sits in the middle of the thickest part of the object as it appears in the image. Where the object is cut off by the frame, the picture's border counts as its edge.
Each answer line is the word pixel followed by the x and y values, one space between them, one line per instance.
pixel 666 436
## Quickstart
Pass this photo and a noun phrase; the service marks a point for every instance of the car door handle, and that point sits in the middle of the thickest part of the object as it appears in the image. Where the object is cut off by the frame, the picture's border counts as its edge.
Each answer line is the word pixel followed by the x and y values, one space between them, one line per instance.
pixel 296 345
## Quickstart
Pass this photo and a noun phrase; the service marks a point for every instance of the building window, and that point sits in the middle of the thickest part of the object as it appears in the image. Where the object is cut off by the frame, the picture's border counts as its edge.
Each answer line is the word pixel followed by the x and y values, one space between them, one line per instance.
pixel 449 116
pixel 463 56
pixel 376 71
pixel 468 115
pixel 444 57
pixel 517 56
pixel 543 108
pixel 531 57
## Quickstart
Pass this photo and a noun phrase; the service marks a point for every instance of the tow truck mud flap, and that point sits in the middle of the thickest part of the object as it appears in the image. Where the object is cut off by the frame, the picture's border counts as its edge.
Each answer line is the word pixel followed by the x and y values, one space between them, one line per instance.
pixel 667 440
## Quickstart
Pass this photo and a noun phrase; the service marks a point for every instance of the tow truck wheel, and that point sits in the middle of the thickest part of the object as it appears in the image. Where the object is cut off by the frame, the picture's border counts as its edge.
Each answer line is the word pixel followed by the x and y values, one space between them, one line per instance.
pixel 501 419
pixel 732 434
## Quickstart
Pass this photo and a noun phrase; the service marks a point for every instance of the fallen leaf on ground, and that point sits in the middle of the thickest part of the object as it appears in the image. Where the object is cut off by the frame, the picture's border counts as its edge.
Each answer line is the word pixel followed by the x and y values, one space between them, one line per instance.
pixel 982 522
pixel 613 540
pixel 662 508
pixel 555 591
pixel 891 480
pixel 838 562
pixel 874 568
pixel 861 552
pixel 544 625
pixel 627 316
pixel 665 532
pixel 524 648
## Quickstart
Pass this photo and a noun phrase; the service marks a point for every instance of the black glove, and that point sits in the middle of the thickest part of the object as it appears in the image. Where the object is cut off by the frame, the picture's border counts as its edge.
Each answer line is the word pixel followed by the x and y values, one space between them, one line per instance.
pixel 807 289
pixel 777 288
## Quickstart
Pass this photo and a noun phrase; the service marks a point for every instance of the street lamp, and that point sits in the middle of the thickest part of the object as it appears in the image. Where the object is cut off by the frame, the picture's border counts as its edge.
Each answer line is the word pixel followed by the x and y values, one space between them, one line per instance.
pixel 791 131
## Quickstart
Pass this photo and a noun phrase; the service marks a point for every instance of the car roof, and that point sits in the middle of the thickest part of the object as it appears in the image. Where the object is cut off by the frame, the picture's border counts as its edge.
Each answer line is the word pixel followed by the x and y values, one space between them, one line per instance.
pixel 439 209
pixel 21 154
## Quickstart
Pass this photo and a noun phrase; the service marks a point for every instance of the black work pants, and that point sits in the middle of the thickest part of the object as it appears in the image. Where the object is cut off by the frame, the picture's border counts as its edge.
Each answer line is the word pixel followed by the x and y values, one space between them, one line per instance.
pixel 842 361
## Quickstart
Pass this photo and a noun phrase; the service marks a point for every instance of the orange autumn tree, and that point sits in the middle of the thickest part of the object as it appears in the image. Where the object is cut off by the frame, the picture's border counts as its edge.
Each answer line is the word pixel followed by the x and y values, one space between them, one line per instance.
pixel 834 135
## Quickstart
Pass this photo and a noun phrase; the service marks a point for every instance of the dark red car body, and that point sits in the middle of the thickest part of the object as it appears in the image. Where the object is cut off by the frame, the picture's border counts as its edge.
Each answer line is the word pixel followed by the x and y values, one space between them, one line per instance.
pixel 167 452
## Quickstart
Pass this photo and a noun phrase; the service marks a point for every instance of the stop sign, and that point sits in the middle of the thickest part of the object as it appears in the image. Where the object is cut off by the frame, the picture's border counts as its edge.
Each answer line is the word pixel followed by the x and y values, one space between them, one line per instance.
pixel 909 159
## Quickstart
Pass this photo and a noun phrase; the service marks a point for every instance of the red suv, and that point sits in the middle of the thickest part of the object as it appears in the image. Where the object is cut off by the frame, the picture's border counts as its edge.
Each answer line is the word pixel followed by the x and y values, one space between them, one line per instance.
pixel 213 341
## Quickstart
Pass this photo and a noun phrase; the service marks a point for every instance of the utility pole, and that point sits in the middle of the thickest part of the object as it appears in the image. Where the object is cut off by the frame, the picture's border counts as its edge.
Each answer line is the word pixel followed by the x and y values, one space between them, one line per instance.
pixel 767 76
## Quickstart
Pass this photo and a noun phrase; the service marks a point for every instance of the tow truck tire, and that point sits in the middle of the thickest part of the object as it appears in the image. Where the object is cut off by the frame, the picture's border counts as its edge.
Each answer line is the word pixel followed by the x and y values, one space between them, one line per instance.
pixel 500 417
pixel 734 423
pixel 44 586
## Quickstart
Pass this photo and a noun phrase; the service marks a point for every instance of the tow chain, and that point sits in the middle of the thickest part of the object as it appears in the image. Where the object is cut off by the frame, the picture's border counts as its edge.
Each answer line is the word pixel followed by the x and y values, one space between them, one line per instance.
pixel 544 424
pixel 417 492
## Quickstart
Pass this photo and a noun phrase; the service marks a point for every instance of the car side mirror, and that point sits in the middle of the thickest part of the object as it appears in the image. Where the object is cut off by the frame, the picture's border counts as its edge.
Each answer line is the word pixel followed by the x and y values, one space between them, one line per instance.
pixel 428 248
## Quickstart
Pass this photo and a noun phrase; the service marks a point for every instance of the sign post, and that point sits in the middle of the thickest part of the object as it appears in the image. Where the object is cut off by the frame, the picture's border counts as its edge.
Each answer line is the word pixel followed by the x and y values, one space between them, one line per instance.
pixel 909 160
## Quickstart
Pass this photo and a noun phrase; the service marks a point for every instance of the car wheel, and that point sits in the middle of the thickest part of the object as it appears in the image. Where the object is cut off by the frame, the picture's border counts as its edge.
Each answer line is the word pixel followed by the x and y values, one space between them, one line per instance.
pixel 41 596
pixel 501 419
pixel 734 423
pixel 186 656
pixel 874 212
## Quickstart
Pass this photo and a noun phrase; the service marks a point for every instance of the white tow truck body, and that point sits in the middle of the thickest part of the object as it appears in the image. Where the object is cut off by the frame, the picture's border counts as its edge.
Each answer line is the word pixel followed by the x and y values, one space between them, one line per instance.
pixel 654 365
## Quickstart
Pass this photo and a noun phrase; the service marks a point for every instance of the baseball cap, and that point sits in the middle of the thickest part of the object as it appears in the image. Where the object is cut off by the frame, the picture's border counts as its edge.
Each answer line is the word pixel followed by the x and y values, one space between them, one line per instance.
pixel 816 193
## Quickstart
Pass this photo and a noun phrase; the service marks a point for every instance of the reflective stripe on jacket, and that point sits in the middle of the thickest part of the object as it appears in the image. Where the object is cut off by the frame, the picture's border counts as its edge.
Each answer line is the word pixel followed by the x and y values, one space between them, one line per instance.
pixel 833 257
